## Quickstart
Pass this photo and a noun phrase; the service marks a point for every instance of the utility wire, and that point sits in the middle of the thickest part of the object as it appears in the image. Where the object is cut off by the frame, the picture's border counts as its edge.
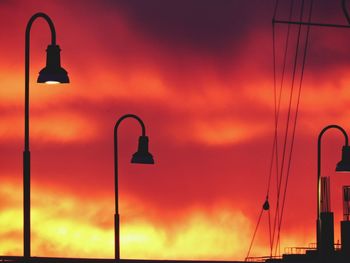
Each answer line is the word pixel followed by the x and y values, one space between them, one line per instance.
pixel 274 152
pixel 276 218
pixel 288 117
pixel 274 155
pixel 270 234
pixel 296 116
pixel 274 141
pixel 256 229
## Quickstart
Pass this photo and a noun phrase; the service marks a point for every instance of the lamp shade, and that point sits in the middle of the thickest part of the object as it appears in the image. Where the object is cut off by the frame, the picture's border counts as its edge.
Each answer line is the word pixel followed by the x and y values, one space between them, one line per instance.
pixel 142 155
pixel 53 72
pixel 344 164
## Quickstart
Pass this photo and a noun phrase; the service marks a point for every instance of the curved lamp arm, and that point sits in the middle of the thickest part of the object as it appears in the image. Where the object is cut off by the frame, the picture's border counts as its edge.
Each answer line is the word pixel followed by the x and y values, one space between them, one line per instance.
pixel 48 20
pixel 129 116
pixel 116 146
pixel 333 126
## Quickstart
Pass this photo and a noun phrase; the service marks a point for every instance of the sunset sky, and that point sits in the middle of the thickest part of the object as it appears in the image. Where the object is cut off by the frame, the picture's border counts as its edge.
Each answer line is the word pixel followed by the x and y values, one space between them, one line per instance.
pixel 200 75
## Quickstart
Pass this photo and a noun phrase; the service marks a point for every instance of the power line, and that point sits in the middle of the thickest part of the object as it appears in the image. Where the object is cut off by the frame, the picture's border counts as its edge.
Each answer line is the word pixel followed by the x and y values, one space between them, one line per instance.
pixel 296 112
pixel 289 116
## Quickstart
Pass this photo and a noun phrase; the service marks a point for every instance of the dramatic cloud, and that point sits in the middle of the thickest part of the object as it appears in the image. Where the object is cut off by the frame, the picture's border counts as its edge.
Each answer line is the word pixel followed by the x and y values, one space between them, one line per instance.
pixel 199 74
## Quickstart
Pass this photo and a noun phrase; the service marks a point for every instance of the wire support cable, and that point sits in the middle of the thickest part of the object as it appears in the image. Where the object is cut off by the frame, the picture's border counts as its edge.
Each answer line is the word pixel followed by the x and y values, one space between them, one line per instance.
pixel 285 140
pixel 296 117
pixel 277 113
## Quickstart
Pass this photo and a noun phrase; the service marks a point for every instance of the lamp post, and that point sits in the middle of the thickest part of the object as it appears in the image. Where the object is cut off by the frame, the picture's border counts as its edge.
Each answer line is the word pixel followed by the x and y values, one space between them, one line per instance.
pixel 51 74
pixel 142 155
pixel 342 166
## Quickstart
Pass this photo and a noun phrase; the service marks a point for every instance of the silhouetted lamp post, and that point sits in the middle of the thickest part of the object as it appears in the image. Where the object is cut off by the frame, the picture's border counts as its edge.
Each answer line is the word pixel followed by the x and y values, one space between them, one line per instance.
pixel 51 74
pixel 142 155
pixel 342 166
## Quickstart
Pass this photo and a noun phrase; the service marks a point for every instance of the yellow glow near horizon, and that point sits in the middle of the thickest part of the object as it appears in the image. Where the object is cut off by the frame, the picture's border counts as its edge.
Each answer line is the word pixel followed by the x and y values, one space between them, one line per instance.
pixel 75 227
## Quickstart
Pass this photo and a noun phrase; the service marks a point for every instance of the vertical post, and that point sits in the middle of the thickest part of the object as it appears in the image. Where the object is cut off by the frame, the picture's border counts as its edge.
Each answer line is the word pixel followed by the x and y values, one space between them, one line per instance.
pixel 26 200
pixel 326 235
pixel 116 191
pixel 318 221
pixel 26 153
pixel 116 215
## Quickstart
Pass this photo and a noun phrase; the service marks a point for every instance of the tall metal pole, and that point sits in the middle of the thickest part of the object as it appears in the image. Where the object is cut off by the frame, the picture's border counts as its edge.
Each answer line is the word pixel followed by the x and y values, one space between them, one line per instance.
pixel 26 152
pixel 116 215
pixel 318 222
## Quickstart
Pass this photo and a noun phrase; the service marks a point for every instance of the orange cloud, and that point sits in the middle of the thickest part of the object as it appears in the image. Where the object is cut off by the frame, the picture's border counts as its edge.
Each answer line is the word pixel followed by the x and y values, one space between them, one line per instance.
pixel 49 126
pixel 224 131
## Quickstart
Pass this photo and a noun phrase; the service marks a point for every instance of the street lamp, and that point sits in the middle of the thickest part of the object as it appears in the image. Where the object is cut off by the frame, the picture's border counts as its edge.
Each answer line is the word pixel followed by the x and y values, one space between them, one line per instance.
pixel 51 74
pixel 142 155
pixel 342 166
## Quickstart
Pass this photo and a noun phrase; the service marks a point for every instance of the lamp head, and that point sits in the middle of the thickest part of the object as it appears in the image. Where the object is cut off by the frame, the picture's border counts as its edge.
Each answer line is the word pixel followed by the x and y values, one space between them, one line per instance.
pixel 53 73
pixel 344 164
pixel 142 155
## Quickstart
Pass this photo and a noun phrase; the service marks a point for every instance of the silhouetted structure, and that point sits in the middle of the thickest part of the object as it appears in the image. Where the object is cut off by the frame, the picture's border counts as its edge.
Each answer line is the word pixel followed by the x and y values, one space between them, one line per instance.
pixel 325 224
pixel 51 74
pixel 325 249
pixel 142 156
pixel 326 231
pixel 345 224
